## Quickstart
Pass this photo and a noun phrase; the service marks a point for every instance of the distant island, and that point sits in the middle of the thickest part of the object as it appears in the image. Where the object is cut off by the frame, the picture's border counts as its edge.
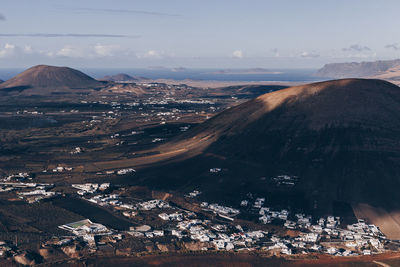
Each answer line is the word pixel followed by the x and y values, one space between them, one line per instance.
pixel 381 69
pixel 246 71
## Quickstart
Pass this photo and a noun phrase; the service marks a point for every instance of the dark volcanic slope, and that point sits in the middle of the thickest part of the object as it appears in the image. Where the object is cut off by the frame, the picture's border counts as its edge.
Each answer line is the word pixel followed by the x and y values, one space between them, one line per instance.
pixel 43 78
pixel 342 138
pixel 250 91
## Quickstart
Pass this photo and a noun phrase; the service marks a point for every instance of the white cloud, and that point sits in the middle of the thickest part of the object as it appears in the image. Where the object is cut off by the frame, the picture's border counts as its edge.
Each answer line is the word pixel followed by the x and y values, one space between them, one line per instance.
pixel 98 50
pixel 28 49
pixel 64 53
pixel 356 48
pixel 309 54
pixel 152 53
pixel 105 50
pixel 8 50
pixel 394 46
pixel 70 51
pixel 358 51
pixel 47 53
pixel 237 54
pixel 12 50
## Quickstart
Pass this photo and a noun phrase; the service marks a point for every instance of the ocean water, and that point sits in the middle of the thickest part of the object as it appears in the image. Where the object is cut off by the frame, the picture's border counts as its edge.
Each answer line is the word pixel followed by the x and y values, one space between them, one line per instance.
pixel 6 74
pixel 283 75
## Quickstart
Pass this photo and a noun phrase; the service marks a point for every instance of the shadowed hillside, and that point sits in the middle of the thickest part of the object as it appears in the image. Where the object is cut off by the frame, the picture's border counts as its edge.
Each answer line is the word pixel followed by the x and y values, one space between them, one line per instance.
pixel 341 138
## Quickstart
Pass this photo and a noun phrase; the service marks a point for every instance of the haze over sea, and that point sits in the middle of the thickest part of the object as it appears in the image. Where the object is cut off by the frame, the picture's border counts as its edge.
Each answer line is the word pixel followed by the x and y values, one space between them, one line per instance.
pixel 281 75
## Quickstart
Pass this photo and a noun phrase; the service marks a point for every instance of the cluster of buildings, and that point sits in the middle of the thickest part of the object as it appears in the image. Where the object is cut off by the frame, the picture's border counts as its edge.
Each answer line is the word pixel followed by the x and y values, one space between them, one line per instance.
pixel 76 150
pixel 85 227
pixel 22 176
pixel 34 112
pixel 184 128
pixel 87 230
pixel 105 200
pixel 114 135
pixel 60 169
pixel 325 238
pixel 285 180
pixel 200 101
pixel 105 116
pixel 228 236
pixel 6 249
pixel 31 192
pixel 219 209
pixel 193 194
pixel 38 193
pixel 90 188
pixel 215 170
pixel 119 172
pixel 145 231
pixel 176 216
pixel 113 200
pixel 152 204
pixel 213 236
pixel 322 236
pixel 125 171
pixel 325 235
pixel 268 215
pixel 153 105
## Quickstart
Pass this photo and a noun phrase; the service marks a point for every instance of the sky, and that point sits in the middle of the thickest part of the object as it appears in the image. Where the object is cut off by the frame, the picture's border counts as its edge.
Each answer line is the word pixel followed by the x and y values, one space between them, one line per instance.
pixel 197 34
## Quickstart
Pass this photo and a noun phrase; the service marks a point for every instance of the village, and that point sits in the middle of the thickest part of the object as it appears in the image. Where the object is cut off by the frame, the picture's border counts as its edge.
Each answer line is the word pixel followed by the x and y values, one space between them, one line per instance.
pixel 213 227
pixel 324 237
